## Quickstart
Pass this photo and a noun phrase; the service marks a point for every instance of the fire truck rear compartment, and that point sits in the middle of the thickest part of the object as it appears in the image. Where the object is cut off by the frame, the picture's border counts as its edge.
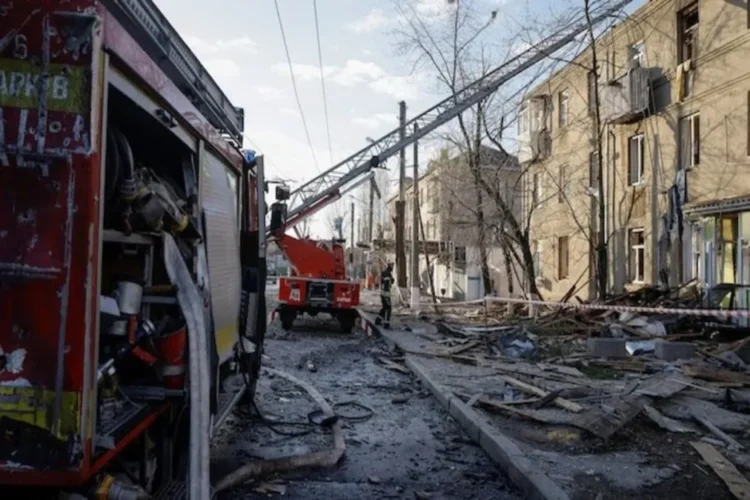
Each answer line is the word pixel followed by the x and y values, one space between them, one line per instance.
pixel 142 353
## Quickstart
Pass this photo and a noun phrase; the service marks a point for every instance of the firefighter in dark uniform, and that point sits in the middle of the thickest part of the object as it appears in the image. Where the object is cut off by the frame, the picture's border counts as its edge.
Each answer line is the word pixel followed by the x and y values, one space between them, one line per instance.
pixel 386 280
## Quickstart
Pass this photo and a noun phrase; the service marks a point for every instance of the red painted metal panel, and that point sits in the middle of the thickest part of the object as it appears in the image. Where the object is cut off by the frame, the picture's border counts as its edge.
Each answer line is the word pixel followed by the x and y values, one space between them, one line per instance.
pixel 49 204
pixel 47 211
pixel 118 41
pixel 48 54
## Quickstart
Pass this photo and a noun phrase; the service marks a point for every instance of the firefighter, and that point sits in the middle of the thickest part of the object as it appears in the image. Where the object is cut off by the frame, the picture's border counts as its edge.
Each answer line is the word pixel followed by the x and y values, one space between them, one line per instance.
pixel 386 280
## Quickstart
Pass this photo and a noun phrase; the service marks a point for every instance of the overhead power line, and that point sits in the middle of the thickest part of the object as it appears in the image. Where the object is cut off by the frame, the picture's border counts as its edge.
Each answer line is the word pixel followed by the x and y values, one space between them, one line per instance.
pixel 294 86
pixel 323 80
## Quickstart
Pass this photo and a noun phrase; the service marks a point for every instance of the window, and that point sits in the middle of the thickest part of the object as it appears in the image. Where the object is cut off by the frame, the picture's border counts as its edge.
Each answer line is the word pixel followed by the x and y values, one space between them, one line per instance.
pixel 635 160
pixel 690 133
pixel 592 92
pixel 748 114
pixel 594 170
pixel 561 184
pixel 636 53
pixel 637 255
pixel 523 119
pixel 564 102
pixel 562 257
pixel 535 191
pixel 688 33
pixel 460 254
pixel 538 262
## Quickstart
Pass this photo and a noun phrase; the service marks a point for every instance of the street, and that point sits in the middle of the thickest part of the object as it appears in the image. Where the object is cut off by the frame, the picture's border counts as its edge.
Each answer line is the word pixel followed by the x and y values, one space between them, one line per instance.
pixel 409 448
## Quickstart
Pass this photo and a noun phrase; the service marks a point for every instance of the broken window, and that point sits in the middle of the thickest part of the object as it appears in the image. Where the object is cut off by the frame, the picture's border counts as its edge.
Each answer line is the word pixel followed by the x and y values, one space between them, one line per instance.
pixel 636 53
pixel 562 257
pixel 688 33
pixel 594 170
pixel 564 102
pixel 637 255
pixel 635 160
pixel 690 141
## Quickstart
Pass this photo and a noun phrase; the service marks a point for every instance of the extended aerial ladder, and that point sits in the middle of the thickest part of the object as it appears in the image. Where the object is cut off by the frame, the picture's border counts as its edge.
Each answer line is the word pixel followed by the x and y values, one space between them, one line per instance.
pixel 330 185
pixel 315 286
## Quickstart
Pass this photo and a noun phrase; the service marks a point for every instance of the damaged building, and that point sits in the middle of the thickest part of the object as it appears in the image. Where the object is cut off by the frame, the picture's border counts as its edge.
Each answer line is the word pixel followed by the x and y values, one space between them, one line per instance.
pixel 672 95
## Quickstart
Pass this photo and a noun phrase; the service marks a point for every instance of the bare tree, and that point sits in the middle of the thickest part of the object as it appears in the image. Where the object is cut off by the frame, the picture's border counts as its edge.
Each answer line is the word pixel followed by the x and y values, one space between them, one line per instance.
pixel 454 50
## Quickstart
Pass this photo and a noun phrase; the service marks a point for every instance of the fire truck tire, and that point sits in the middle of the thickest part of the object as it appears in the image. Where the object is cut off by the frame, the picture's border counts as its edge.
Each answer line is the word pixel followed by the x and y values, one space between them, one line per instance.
pixel 347 320
pixel 287 318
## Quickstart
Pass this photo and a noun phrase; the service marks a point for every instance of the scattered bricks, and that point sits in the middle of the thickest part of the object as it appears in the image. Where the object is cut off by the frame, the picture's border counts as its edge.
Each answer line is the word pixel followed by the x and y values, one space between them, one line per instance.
pixel 607 348
pixel 670 351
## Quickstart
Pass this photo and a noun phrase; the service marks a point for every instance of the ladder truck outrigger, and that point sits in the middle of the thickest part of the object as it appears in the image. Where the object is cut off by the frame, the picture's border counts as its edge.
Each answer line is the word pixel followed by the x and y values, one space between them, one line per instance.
pixel 132 246
pixel 318 281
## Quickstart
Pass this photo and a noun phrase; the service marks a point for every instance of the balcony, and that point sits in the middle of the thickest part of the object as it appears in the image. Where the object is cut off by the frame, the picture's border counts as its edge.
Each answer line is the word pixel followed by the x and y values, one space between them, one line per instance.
pixel 534 139
pixel 626 99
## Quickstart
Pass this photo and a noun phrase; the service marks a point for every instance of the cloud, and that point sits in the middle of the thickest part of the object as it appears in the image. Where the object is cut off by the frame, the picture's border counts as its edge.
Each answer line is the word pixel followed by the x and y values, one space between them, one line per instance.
pixel 374 122
pixel 289 111
pixel 400 87
pixel 203 47
pixel 268 91
pixel 303 72
pixel 223 69
pixel 356 72
pixel 374 20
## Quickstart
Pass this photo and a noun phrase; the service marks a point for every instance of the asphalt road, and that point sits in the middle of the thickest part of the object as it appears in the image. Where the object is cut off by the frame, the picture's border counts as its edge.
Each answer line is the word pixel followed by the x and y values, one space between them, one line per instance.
pixel 409 448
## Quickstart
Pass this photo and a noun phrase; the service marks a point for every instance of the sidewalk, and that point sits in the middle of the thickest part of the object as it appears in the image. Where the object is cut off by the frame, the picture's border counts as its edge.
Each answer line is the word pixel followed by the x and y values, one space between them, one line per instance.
pixel 413 337
pixel 550 451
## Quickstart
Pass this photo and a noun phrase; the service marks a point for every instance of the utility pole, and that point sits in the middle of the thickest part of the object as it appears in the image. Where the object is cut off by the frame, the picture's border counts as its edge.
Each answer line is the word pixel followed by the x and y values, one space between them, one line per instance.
pixel 415 216
pixel 369 217
pixel 400 226
pixel 351 241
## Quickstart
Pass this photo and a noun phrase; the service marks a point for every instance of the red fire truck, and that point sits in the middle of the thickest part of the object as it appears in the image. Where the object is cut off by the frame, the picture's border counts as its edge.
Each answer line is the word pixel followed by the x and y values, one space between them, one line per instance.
pixel 132 245
pixel 132 253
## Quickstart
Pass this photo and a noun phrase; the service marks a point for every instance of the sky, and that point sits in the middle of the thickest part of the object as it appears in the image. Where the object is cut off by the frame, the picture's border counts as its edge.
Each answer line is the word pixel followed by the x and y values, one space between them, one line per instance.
pixel 240 43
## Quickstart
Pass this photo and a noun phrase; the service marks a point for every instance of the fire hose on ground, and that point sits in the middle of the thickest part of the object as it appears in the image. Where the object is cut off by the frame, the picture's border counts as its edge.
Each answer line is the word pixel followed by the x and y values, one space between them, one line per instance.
pixel 315 460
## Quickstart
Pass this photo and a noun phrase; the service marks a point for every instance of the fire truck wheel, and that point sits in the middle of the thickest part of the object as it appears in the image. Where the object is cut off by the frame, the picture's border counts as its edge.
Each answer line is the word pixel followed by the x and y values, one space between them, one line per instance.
pixel 287 318
pixel 347 322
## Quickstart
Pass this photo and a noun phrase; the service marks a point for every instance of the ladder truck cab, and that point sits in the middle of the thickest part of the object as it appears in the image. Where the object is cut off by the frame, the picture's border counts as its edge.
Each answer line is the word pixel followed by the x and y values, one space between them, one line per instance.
pixel 317 282
pixel 132 264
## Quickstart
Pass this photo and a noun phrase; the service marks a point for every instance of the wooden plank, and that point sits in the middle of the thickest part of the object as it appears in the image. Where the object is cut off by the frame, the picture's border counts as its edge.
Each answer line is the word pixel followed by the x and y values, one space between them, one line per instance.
pixel 663 385
pixel 523 386
pixel 706 373
pixel 393 366
pixel 736 482
pixel 733 444
pixel 611 416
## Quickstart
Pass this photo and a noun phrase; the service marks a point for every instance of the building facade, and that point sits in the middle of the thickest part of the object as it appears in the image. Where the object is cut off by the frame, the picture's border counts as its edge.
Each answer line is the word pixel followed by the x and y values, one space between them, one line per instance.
pixel 672 93
pixel 448 211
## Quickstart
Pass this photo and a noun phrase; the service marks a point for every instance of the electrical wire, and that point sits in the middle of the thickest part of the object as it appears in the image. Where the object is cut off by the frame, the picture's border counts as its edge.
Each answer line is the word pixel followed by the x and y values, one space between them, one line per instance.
pixel 294 85
pixel 323 80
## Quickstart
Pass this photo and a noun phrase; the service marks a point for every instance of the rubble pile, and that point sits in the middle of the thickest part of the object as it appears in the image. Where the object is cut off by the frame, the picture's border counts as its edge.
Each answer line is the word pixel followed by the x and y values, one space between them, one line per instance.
pixel 605 373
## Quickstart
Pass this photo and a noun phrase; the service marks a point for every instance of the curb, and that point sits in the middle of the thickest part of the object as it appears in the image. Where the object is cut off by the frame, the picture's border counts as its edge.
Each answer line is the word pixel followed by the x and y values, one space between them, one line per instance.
pixel 501 450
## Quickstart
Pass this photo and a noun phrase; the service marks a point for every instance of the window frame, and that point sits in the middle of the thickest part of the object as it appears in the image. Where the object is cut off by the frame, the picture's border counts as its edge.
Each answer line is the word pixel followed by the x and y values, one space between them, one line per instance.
pixel 538 260
pixel 694 140
pixel 640 161
pixel 684 33
pixel 561 183
pixel 636 256
pixel 563 104
pixel 563 265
